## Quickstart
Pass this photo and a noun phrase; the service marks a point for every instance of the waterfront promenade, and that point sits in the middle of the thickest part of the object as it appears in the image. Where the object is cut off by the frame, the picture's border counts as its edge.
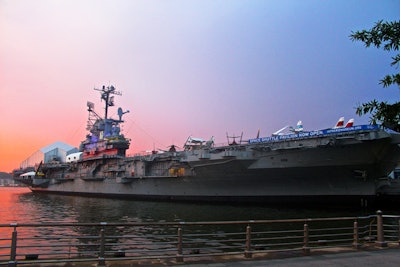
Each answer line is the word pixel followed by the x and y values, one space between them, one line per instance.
pixel 382 257
pixel 51 230
pixel 370 240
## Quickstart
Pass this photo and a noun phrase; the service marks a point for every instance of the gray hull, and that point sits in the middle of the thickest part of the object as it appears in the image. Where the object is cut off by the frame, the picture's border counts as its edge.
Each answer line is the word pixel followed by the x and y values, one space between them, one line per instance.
pixel 276 185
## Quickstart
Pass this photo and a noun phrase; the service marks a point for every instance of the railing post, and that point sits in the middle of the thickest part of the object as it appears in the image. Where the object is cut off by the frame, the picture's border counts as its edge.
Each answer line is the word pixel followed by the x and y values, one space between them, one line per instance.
pixel 179 255
pixel 247 252
pixel 379 230
pixel 102 261
pixel 306 248
pixel 399 233
pixel 13 252
pixel 356 245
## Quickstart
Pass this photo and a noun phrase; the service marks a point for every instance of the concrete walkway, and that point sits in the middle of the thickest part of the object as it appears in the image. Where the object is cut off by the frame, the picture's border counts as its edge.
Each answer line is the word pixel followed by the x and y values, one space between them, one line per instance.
pixel 385 257
pixel 382 258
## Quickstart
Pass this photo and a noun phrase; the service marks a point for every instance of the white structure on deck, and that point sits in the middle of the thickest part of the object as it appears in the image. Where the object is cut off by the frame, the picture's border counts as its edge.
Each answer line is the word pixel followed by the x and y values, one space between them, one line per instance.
pixel 56 152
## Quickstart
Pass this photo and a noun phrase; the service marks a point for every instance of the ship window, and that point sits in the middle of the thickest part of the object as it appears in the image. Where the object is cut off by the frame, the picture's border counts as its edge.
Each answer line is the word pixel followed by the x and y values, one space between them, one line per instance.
pixel 284 160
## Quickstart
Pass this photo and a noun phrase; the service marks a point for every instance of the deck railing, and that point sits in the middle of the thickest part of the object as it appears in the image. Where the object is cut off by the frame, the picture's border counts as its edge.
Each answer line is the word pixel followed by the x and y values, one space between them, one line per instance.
pixel 34 243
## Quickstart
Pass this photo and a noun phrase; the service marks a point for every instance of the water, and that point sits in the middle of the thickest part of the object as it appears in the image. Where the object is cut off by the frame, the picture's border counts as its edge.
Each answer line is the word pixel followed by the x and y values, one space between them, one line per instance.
pixel 22 206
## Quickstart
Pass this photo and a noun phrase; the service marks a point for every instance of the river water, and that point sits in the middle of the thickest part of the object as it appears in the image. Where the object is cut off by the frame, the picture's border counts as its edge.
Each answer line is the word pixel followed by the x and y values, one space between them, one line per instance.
pixel 18 204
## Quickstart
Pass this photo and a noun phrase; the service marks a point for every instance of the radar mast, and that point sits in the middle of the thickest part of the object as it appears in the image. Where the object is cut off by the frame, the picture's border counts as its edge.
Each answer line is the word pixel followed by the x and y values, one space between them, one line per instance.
pixel 105 95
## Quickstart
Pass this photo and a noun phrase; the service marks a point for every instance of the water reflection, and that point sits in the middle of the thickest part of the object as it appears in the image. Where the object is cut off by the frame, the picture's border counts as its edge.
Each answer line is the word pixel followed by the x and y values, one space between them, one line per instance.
pixel 24 207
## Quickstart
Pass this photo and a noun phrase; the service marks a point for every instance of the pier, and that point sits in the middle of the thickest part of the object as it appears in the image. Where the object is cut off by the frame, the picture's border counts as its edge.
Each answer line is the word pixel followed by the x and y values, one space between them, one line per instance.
pixel 185 243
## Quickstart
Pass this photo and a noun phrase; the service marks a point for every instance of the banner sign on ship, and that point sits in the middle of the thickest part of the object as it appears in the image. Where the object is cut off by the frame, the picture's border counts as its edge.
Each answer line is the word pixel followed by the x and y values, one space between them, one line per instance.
pixel 314 133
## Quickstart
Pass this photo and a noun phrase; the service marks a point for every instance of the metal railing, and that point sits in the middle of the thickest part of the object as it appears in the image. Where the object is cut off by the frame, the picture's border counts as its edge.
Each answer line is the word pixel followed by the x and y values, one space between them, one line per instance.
pixel 83 242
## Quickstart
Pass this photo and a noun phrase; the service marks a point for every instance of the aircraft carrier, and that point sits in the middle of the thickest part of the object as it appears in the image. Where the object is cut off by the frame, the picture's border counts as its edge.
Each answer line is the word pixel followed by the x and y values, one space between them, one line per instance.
pixel 343 164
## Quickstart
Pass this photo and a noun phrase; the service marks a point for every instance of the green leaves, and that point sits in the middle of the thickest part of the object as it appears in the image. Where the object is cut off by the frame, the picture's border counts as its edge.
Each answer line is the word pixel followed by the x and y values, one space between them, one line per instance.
pixel 390 79
pixel 386 35
pixel 383 33
pixel 387 114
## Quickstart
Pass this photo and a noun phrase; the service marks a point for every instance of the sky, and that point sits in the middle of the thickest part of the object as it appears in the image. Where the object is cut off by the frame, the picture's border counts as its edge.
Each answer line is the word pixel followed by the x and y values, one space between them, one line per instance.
pixel 184 67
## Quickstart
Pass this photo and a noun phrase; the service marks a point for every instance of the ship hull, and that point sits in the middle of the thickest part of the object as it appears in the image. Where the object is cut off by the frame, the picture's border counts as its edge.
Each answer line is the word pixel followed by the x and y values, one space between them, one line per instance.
pixel 322 184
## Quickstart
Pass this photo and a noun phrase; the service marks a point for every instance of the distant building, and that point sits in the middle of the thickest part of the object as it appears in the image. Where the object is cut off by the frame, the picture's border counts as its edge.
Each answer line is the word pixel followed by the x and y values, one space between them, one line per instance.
pixel 6 179
pixel 56 152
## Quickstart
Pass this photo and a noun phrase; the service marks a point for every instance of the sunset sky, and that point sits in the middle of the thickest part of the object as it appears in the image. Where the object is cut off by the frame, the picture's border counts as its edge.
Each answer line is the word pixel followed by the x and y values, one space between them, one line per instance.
pixel 200 68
